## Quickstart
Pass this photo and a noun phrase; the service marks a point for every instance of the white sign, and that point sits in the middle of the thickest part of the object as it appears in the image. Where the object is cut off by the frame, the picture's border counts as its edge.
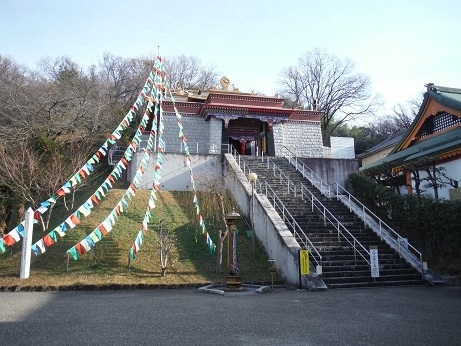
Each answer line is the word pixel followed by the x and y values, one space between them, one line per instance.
pixel 26 244
pixel 374 261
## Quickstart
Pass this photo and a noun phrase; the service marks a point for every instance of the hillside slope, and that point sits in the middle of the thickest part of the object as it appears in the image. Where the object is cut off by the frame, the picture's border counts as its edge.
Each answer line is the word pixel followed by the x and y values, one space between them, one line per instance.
pixel 107 263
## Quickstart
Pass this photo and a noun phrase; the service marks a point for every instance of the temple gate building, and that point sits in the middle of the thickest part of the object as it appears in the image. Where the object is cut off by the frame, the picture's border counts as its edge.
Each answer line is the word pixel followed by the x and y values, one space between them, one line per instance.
pixel 251 123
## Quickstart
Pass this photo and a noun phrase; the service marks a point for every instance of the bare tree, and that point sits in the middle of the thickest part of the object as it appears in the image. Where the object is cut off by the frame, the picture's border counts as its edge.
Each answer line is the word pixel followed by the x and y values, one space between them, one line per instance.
pixel 406 113
pixel 221 236
pixel 33 172
pixel 166 242
pixel 216 203
pixel 120 80
pixel 17 106
pixel 383 127
pixel 187 72
pixel 323 79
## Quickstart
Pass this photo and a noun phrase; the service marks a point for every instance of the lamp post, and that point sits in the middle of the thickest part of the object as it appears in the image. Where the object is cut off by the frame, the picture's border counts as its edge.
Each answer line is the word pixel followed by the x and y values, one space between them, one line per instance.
pixel 233 280
pixel 252 177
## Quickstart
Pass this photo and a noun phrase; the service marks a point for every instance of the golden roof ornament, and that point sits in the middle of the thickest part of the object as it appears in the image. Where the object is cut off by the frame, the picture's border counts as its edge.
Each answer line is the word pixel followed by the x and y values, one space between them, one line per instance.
pixel 225 83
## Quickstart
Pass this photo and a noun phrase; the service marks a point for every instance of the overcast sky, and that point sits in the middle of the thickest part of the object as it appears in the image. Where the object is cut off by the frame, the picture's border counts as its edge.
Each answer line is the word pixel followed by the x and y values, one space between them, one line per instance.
pixel 400 44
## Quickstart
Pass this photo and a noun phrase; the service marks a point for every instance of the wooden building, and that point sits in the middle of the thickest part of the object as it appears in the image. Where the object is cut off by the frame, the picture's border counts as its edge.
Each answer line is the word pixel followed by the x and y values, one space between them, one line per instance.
pixel 429 153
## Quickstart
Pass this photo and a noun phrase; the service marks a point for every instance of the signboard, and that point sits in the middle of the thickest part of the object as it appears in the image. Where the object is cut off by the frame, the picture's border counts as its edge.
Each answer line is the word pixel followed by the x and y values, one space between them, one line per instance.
pixel 374 261
pixel 304 262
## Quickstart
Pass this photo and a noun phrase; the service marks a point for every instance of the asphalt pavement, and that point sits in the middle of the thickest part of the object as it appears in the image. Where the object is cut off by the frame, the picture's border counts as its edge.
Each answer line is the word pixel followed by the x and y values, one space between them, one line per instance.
pixel 376 316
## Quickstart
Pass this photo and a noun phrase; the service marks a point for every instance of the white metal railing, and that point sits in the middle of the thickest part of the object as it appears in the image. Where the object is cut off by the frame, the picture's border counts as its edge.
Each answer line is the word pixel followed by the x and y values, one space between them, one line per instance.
pixel 386 233
pixel 290 221
pixel 204 148
pixel 291 187
pixel 279 206
pixel 304 192
pixel 338 225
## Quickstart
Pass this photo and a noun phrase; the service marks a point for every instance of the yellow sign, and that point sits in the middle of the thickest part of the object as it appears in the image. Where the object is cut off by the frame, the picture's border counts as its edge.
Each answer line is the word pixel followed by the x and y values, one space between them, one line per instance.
pixel 304 262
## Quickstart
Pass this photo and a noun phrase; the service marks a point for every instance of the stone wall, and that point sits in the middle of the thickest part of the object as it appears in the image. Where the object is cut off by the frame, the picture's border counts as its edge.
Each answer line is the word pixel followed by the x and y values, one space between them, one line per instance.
pixel 302 138
pixel 195 129
pixel 215 134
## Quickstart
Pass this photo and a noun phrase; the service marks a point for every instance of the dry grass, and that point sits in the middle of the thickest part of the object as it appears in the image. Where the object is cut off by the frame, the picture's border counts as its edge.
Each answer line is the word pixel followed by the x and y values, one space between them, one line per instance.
pixel 107 263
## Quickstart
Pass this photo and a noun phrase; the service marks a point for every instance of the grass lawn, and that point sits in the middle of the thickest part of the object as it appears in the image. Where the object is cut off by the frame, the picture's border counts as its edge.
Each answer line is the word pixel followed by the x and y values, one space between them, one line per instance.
pixel 107 263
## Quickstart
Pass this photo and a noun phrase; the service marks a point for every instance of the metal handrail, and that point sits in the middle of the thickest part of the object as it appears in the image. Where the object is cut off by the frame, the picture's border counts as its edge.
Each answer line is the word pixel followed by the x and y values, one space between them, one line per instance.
pixel 282 176
pixel 327 215
pixel 386 233
pixel 291 222
pixel 282 209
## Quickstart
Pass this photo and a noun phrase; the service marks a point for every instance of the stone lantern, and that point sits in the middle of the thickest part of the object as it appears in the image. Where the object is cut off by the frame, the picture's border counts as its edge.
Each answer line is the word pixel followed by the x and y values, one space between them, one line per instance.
pixel 233 279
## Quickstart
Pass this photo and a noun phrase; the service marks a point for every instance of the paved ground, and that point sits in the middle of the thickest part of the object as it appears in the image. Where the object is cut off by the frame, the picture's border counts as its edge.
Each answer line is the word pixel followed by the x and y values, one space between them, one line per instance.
pixel 378 316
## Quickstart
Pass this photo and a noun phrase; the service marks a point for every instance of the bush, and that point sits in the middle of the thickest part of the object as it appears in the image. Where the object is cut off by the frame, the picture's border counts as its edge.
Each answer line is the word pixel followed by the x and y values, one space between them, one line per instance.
pixel 430 225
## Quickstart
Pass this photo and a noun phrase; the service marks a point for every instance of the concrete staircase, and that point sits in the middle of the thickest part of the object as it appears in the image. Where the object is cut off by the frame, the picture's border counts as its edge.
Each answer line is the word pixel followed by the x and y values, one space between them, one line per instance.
pixel 342 266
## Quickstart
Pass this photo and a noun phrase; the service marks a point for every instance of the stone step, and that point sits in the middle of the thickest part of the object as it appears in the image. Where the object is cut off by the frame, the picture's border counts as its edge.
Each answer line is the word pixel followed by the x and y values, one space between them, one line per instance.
pixel 342 266
pixel 355 261
pixel 367 278
pixel 332 250
pixel 358 272
pixel 376 283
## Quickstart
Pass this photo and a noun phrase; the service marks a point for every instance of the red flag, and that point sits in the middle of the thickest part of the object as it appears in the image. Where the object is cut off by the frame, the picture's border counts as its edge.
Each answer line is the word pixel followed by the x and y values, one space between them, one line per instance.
pixel 79 247
pixel 75 219
pixel 47 240
pixel 9 240
pixel 102 229
pixel 95 199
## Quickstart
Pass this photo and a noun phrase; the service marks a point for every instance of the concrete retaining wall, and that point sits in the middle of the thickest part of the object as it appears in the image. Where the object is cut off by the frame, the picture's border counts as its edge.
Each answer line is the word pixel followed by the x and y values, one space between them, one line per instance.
pixel 270 229
pixel 332 170
pixel 175 172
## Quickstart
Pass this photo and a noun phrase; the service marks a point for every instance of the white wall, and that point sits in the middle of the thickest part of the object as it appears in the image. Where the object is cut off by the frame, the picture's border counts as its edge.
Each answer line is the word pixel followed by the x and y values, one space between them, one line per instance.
pixel 453 171
pixel 175 172
pixel 342 148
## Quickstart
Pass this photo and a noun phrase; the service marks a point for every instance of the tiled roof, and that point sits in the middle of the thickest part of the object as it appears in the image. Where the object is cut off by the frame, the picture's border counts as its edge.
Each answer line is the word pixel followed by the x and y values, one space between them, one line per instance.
pixel 449 97
pixel 389 142
pixel 430 147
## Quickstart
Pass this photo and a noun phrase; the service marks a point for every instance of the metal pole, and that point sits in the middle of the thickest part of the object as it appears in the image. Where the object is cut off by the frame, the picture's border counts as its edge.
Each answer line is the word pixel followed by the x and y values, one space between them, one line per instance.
pixel 230 249
pixel 299 270
pixel 27 243
pixel 67 265
pixel 253 235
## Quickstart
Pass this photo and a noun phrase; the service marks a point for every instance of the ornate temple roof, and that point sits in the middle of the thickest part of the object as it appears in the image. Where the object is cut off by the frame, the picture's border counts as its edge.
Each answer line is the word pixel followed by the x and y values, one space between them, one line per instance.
pixel 230 101
pixel 435 131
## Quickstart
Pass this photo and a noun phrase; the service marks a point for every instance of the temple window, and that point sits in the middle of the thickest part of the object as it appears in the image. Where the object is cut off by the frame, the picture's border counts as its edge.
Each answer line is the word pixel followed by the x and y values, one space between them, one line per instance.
pixel 438 122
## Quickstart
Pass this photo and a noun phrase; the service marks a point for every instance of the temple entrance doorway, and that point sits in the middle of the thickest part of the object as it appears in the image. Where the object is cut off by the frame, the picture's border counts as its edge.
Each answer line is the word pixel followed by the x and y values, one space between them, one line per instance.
pixel 244 141
pixel 248 136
